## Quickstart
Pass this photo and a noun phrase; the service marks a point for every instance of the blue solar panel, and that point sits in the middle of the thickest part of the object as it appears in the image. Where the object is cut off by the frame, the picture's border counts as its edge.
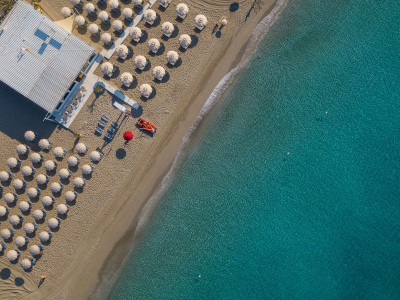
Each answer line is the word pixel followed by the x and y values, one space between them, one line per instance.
pixel 41 35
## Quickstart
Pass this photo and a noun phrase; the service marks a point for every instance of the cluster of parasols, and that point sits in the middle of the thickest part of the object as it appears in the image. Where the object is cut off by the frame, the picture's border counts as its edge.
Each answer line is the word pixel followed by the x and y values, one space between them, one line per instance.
pixel 34 193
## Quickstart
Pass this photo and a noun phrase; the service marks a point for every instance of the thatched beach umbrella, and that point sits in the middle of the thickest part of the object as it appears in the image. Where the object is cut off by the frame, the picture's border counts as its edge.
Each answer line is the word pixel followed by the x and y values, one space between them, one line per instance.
pixel 28 171
pixel 53 223
pixel 79 182
pixel 70 196
pixel 95 156
pixel 81 148
pixel 56 187
pixel 19 184
pixel 185 40
pixel 107 68
pixel 80 21
pixel 159 72
pixel 73 161
pixel 21 241
pixel 22 149
pixel 90 9
pixel 150 16
pixel 122 51
pixel 94 29
pixel 62 209
pixel 64 173
pixel 10 198
pixel 114 4
pixel 48 200
pixel 12 255
pixel 117 25
pixel 154 45
pixel 44 236
pixel 24 206
pixel 15 220
pixel 87 169
pixel 33 192
pixel 138 3
pixel 127 13
pixel 182 10
pixel 42 179
pixel 35 250
pixel 3 210
pixel 36 158
pixel 167 28
pixel 172 57
pixel 50 165
pixel 45 144
pixel 200 21
pixel 76 2
pixel 106 38
pixel 126 78
pixel 59 152
pixel 26 264
pixel 103 16
pixel 146 90
pixel 6 234
pixel 13 162
pixel 38 214
pixel 140 62
pixel 164 3
pixel 135 33
pixel 66 12
pixel 30 136
pixel 5 176
pixel 30 228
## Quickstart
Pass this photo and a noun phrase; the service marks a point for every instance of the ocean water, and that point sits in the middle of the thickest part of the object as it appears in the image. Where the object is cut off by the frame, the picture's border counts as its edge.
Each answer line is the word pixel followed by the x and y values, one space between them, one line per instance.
pixel 291 189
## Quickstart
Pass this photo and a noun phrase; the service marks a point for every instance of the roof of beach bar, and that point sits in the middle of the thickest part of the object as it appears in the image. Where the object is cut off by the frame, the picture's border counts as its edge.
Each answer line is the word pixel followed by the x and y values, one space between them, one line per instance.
pixel 38 58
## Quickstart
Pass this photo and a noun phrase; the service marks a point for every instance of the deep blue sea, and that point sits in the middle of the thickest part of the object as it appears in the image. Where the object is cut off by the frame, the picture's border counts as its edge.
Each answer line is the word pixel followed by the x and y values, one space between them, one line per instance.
pixel 293 189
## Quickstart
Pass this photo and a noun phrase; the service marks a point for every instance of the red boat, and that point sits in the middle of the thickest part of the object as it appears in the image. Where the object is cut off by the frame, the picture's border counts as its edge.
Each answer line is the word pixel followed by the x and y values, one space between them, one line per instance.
pixel 146 125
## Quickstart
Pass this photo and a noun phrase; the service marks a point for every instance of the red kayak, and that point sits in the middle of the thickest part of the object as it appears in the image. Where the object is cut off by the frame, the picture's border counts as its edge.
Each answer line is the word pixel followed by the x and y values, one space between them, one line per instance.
pixel 146 125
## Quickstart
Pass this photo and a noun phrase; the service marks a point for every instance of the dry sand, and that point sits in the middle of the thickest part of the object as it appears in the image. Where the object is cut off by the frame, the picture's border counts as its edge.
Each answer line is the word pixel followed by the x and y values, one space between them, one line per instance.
pixel 110 203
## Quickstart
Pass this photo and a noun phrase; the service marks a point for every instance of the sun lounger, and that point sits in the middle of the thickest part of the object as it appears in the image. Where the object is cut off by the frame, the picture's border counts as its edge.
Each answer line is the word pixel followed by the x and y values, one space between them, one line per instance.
pixel 111 130
pixel 102 124
pixel 108 136
pixel 105 118
pixel 114 124
pixel 99 130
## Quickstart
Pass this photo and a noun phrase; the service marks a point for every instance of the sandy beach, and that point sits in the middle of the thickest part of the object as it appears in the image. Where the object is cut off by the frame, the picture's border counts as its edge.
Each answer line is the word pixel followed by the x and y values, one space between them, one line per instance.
pixel 98 231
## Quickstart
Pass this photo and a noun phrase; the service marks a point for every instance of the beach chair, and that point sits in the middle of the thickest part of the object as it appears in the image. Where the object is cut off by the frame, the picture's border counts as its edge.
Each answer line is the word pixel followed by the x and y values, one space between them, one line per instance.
pixel 99 130
pixel 102 1
pixel 114 124
pixel 111 130
pixel 102 123
pixel 108 136
pixel 105 118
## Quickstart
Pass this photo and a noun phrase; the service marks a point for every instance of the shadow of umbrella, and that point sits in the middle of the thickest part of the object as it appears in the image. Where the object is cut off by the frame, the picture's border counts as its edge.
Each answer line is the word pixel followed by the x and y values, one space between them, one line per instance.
pixel 19 281
pixel 121 153
pixel 234 7
pixel 5 273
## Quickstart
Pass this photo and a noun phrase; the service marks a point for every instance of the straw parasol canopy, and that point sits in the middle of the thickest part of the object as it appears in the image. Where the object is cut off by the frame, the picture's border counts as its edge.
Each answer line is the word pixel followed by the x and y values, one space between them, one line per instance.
pixel 44 236
pixel 56 187
pixel 22 149
pixel 79 182
pixel 80 21
pixel 73 161
pixel 182 9
pixel 167 28
pixel 44 144
pixel 20 241
pixel 87 169
pixel 27 171
pixel 12 162
pixel 107 68
pixel 70 196
pixel 18 184
pixel 146 90
pixel 58 152
pixel 36 158
pixel 29 228
pixel 9 198
pixel 103 16
pixel 138 2
pixel 135 33
pixel 150 15
pixel 47 201
pixel 29 136
pixel 81 148
pixel 140 61
pixel 62 209
pixel 95 156
pixel 172 57
pixel 37 214
pixel 93 28
pixel 26 264
pixel 159 72
pixel 34 250
pixel 185 40
pixel 4 176
pixel 14 220
pixel 64 173
pixel 50 165
pixel 122 51
pixel 117 25
pixel 126 78
pixel 127 12
pixel 41 179
pixel 154 45
pixel 53 223
pixel 106 38
pixel 32 193
pixel 12 255
pixel 65 12
pixel 5 234
pixel 113 4
pixel 200 21
pixel 75 2
pixel 24 206
pixel 3 210
pixel 89 8
pixel 164 2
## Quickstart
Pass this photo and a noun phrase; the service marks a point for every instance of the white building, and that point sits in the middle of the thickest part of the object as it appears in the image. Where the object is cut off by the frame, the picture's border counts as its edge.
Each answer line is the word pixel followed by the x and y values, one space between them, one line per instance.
pixel 39 59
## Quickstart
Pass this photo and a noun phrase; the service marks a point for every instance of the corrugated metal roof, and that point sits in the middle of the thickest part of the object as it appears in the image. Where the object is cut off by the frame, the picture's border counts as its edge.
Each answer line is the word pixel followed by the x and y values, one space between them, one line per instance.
pixel 38 58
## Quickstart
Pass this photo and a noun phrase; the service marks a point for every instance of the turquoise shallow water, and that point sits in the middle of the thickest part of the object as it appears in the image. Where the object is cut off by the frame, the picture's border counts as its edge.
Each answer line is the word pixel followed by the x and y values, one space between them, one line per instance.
pixel 293 192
